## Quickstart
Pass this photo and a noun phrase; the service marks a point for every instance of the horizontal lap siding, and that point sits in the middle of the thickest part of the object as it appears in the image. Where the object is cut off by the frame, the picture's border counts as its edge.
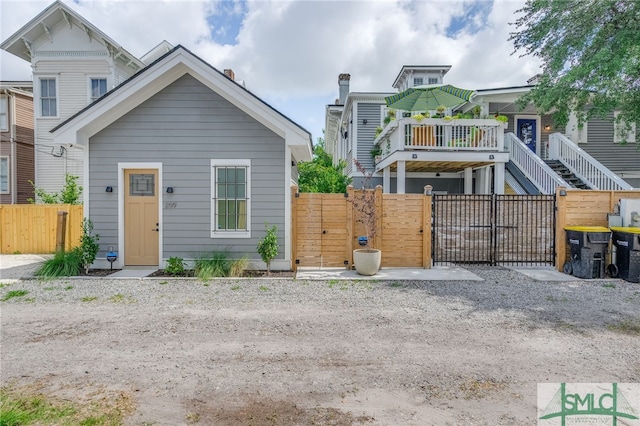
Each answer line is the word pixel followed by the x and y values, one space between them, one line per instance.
pixel 367 132
pixel 617 157
pixel 185 126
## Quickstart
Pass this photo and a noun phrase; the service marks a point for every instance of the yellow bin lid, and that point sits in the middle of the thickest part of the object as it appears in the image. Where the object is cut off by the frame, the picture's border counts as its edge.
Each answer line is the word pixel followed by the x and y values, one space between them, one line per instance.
pixel 627 229
pixel 587 228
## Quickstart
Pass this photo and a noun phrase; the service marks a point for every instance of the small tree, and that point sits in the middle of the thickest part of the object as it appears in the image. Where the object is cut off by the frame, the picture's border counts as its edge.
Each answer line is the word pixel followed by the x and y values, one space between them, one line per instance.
pixel 70 193
pixel 268 246
pixel 88 248
pixel 320 175
pixel 365 203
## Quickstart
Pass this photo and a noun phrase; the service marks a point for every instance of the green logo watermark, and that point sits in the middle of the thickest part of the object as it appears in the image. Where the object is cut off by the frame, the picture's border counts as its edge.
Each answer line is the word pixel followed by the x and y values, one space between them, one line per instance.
pixel 588 404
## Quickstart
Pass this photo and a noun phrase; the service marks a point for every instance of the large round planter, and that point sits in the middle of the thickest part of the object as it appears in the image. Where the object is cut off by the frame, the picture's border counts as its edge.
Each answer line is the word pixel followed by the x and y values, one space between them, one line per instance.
pixel 367 261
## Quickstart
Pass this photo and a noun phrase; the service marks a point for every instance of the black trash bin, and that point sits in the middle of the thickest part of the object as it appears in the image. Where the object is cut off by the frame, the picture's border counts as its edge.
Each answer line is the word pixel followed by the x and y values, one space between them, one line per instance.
pixel 588 246
pixel 626 262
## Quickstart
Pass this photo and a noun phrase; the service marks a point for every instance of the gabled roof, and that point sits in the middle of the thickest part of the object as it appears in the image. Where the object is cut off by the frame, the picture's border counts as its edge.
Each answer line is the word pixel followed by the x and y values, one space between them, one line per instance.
pixel 161 73
pixel 21 43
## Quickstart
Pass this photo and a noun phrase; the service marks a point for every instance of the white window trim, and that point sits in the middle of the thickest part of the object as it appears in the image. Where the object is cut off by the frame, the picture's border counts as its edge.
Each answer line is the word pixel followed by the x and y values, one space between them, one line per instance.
pixel 617 137
pixel 38 97
pixel 96 77
pixel 577 135
pixel 5 99
pixel 8 191
pixel 215 233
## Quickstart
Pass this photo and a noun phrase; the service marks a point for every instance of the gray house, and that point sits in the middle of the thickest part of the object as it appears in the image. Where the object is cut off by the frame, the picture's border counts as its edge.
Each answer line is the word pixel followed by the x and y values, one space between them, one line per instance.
pixel 474 153
pixel 180 160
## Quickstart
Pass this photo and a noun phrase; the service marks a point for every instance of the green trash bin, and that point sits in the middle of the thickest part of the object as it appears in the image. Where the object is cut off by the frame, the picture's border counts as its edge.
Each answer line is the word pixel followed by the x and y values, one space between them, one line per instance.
pixel 625 262
pixel 588 246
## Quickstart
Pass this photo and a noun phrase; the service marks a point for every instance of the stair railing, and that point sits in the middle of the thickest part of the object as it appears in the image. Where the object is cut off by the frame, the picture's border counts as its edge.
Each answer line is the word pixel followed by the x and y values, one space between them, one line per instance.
pixel 583 165
pixel 532 166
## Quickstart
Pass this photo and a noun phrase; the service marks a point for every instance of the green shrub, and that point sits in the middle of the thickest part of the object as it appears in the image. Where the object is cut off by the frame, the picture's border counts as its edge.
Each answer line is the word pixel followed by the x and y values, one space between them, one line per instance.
pixel 70 193
pixel 268 246
pixel 89 247
pixel 175 266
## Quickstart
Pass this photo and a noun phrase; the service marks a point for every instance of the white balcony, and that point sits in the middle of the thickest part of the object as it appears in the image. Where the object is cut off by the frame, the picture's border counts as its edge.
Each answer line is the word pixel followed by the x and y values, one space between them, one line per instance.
pixel 410 147
pixel 437 134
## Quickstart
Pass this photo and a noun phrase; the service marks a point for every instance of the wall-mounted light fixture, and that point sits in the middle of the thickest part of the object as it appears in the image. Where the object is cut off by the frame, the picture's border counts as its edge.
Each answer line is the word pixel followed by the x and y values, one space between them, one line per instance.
pixel 491 157
pixel 547 127
pixel 563 193
pixel 293 163
pixel 414 156
pixel 169 189
pixel 365 121
pixel 109 189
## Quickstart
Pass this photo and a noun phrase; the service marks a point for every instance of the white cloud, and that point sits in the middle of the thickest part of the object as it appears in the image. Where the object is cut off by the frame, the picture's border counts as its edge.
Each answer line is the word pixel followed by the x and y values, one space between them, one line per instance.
pixel 291 51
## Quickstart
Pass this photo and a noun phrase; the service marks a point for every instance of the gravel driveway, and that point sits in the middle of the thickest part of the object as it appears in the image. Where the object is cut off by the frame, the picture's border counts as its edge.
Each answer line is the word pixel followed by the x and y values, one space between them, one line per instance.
pixel 296 352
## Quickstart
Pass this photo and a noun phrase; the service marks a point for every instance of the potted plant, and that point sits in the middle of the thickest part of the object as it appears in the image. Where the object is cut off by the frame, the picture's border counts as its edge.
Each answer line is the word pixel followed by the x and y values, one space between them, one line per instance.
pixel 367 259
pixel 440 110
pixel 476 111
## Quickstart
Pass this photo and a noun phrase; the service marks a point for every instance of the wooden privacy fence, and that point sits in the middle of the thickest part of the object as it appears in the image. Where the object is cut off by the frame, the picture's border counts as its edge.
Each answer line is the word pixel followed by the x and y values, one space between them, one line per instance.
pixel 31 228
pixel 583 208
pixel 326 228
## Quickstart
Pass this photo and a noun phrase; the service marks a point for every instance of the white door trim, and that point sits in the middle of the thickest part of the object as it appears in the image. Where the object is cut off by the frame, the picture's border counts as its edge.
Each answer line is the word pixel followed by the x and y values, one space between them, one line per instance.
pixel 122 187
pixel 538 128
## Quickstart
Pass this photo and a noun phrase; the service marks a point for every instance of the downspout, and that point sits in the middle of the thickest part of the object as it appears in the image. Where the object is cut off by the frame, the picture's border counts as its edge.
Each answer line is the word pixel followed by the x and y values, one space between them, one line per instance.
pixel 14 152
pixel 13 160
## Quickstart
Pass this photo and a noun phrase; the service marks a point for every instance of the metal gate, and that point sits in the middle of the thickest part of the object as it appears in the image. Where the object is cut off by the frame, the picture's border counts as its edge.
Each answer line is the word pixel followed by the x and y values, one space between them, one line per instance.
pixel 494 229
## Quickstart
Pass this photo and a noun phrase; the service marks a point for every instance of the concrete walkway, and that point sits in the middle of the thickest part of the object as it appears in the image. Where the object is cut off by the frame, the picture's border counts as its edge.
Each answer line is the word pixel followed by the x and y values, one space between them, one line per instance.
pixel 19 266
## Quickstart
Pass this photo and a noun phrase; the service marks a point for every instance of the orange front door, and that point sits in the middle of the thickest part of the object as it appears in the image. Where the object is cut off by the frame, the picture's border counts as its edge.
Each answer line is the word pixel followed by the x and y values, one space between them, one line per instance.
pixel 141 222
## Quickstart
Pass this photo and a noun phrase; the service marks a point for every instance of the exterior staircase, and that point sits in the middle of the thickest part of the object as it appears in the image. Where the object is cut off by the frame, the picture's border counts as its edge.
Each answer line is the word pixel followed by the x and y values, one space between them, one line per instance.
pixel 566 174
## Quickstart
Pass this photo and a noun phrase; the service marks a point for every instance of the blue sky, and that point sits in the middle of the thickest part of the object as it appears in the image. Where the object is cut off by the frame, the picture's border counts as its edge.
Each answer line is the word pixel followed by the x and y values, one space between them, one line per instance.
pixel 290 53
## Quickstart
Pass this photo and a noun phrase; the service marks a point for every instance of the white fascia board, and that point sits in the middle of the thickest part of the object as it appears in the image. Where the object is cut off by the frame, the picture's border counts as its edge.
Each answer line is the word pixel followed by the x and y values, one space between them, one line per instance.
pixel 143 87
pixel 34 29
pixel 437 156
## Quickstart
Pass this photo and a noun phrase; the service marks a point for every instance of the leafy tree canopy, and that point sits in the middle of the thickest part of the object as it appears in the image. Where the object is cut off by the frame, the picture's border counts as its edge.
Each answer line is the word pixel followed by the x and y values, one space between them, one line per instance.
pixel 590 53
pixel 320 174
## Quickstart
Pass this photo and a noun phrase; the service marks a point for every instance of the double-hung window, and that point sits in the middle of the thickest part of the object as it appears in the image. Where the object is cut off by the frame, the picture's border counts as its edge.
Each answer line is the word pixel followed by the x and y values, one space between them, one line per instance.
pixel 4 175
pixel 418 81
pixel 48 98
pixel 231 204
pixel 433 80
pixel 98 88
pixel 622 133
pixel 4 113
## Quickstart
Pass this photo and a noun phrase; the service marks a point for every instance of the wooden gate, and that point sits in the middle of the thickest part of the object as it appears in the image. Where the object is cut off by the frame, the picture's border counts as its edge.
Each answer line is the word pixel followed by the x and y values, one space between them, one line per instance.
pixel 320 229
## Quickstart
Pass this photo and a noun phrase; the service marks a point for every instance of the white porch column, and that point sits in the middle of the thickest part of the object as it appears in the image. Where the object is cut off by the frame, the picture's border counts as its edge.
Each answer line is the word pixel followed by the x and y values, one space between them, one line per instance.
pixel 483 180
pixel 386 180
pixel 468 180
pixel 400 177
pixel 499 178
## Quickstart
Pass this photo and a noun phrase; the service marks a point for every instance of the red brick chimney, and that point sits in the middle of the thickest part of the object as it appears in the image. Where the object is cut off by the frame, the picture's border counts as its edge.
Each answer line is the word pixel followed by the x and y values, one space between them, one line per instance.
pixel 230 74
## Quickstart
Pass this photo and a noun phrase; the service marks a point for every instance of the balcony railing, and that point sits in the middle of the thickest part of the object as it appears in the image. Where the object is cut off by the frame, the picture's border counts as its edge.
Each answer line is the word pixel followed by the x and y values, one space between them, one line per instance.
pixel 438 134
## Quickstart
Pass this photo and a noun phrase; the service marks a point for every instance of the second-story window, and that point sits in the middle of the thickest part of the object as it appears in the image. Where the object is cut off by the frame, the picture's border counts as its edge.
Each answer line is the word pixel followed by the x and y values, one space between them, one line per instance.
pixel 433 80
pixel 98 88
pixel 418 81
pixel 48 100
pixel 4 113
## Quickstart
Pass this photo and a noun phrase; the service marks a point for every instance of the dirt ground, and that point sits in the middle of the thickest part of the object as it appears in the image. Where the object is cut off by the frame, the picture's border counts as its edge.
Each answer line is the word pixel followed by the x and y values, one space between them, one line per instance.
pixel 290 352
